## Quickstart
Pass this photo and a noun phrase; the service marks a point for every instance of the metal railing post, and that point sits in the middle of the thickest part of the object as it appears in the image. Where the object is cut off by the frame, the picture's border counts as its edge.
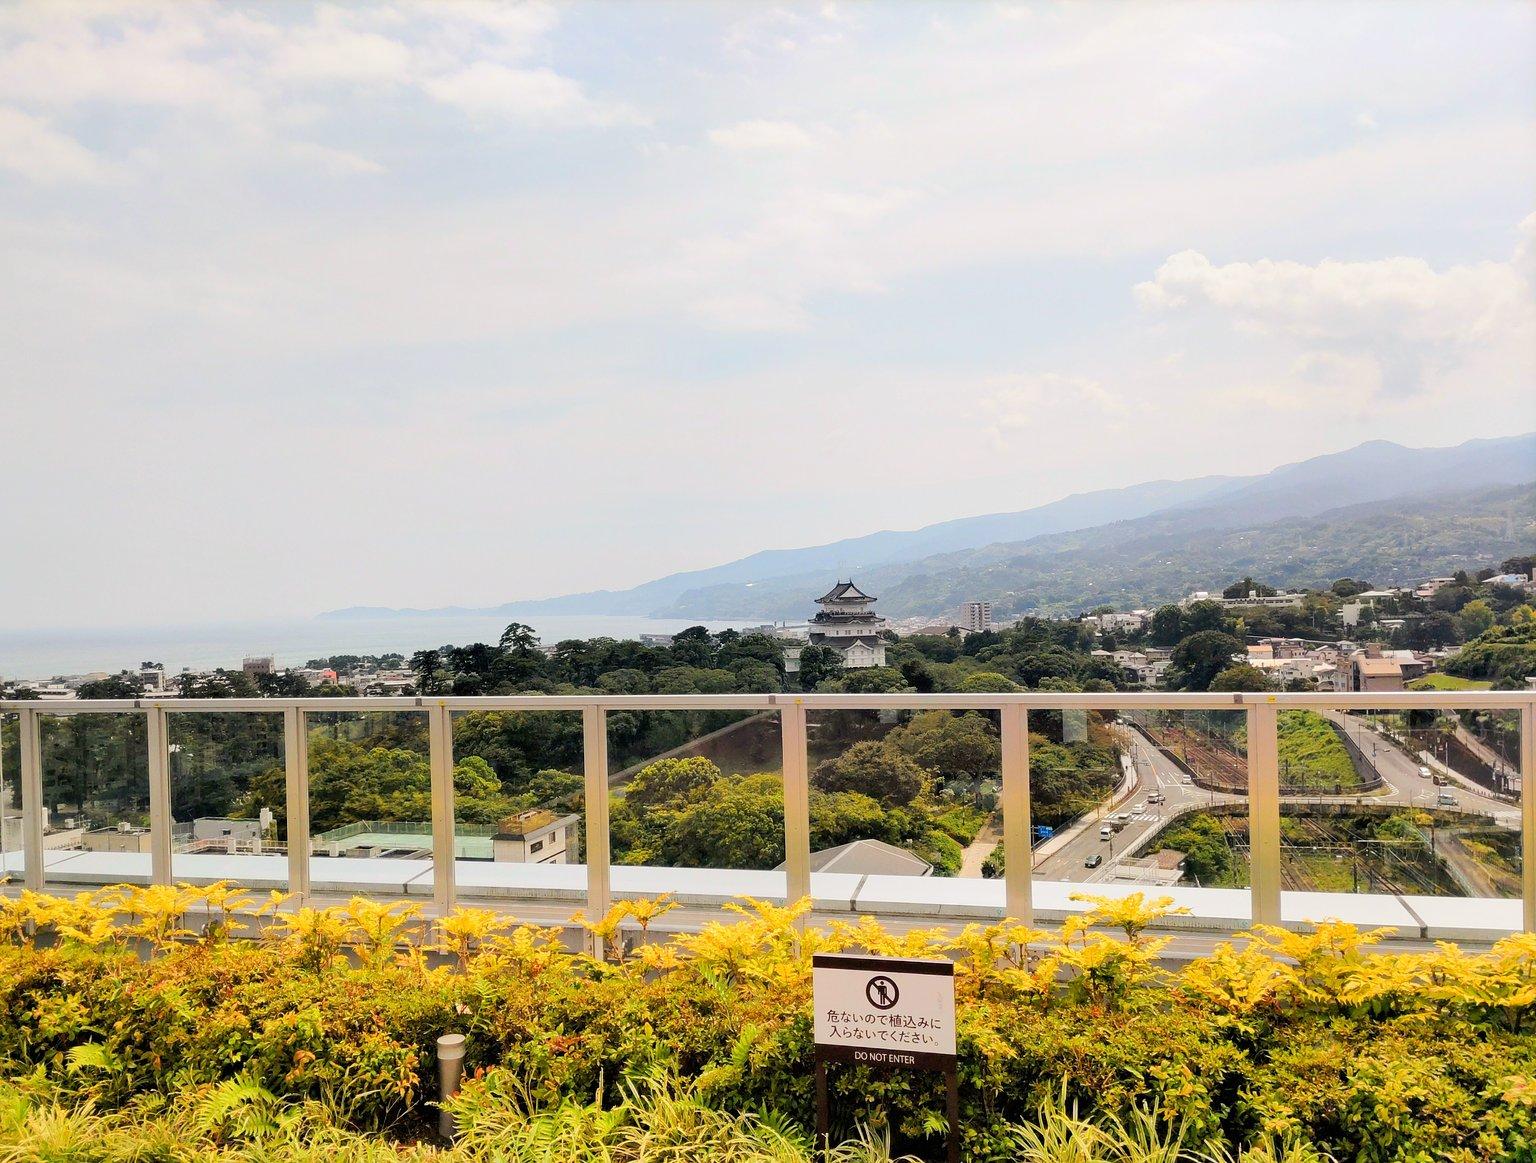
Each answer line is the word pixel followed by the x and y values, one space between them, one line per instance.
pixel 1018 855
pixel 1264 811
pixel 440 749
pixel 594 724
pixel 157 735
pixel 797 802
pixel 296 773
pixel 1527 816
pixel 33 810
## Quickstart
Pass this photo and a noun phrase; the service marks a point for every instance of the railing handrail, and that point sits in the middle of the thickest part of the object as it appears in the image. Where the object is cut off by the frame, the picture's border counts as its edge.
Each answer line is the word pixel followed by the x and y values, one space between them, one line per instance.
pixel 1263 791
pixel 987 701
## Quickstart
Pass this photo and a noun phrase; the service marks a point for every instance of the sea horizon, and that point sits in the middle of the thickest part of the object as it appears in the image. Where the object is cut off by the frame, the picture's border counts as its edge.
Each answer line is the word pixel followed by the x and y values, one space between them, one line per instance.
pixel 53 652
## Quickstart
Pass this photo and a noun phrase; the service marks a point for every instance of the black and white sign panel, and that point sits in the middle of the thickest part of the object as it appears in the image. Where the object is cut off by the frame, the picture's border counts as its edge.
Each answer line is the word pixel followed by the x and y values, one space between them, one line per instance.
pixel 884 1011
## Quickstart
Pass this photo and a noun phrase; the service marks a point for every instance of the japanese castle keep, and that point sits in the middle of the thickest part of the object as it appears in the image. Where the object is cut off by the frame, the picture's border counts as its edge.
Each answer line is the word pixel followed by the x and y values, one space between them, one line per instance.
pixel 847 625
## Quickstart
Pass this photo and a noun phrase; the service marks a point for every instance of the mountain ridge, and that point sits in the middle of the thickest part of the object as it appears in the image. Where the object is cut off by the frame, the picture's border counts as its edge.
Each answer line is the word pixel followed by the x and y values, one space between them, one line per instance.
pixel 771 583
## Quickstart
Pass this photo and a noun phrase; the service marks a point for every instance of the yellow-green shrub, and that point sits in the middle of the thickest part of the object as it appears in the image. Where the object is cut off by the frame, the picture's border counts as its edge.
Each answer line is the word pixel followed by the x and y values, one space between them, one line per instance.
pixel 1319 1035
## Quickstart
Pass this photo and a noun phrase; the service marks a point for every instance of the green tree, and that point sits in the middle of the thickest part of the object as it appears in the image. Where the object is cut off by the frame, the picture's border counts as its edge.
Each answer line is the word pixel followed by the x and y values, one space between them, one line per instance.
pixel 875 769
pixel 1241 677
pixel 118 686
pixel 873 680
pixel 626 681
pixel 693 647
pixel 1205 615
pixel 739 824
pixel 950 746
pixel 426 665
pixel 986 682
pixel 1475 617
pixel 1241 589
pixel 519 639
pixel 756 676
pixel 842 817
pixel 1198 659
pixel 818 663
pixel 1166 626
pixel 670 781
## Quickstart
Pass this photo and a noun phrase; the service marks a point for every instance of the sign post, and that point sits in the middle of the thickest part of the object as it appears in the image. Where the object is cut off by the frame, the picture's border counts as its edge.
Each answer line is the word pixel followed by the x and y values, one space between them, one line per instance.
pixel 897 1013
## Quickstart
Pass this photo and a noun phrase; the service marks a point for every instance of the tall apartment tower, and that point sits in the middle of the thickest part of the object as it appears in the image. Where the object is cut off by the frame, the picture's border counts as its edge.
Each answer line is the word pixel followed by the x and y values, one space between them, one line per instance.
pixel 978 616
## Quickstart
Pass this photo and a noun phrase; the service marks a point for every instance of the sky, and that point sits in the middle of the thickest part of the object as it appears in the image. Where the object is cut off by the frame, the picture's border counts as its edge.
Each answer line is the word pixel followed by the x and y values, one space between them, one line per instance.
pixel 441 302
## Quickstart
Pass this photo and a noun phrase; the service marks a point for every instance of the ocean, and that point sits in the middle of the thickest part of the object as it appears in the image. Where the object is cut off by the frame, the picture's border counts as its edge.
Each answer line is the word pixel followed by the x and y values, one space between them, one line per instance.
pixel 43 654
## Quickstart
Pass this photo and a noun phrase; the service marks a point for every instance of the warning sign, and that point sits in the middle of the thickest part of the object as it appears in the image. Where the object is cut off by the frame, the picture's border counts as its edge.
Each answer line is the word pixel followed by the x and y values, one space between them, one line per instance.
pixel 885 1011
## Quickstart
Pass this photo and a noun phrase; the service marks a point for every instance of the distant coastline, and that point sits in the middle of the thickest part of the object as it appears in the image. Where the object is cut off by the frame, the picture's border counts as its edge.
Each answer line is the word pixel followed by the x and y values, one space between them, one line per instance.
pixel 39 654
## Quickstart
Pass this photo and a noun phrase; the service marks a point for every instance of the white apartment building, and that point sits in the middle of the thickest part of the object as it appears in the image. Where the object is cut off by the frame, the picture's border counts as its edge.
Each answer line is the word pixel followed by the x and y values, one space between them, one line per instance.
pixel 977 617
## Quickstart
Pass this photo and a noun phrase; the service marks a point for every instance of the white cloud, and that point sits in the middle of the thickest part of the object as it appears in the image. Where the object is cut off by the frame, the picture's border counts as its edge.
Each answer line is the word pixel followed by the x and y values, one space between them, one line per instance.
pixel 319 236
pixel 1411 318
pixel 32 148
pixel 538 95
pixel 762 136
pixel 329 51
pixel 1525 251
pixel 1048 403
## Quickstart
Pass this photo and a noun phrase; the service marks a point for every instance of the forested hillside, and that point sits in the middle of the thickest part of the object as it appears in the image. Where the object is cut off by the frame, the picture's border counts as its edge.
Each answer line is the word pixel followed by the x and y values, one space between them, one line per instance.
pixel 1164 556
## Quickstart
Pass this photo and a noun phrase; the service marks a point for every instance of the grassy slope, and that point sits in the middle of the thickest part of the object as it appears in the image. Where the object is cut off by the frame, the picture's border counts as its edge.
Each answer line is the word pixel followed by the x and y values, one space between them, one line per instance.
pixel 1311 750
pixel 1449 682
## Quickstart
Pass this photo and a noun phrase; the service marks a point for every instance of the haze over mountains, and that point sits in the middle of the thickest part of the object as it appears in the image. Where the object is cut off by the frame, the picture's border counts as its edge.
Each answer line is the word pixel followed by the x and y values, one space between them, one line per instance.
pixel 1379 511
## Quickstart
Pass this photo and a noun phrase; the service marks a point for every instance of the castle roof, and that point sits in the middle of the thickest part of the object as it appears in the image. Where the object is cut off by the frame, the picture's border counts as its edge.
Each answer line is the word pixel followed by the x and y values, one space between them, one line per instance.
pixel 845 591
pixel 841 642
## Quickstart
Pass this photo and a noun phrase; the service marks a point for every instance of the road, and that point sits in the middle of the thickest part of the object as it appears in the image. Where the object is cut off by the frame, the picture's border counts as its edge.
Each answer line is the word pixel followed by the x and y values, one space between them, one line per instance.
pixel 1403 785
pixel 1406 784
pixel 1155 772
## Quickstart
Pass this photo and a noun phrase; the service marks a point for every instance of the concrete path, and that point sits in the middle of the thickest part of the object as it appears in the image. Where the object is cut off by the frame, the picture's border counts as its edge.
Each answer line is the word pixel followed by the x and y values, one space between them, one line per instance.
pixel 988 838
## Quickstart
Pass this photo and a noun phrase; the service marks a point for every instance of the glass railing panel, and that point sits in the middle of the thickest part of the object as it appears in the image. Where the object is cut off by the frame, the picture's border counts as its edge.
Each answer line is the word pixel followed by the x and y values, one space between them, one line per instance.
pixel 696 805
pixel 905 812
pixel 1178 815
pixel 229 801
pixel 520 811
pixel 370 804
pixel 1433 838
pixel 1089 813
pixel 96 801
pixel 12 862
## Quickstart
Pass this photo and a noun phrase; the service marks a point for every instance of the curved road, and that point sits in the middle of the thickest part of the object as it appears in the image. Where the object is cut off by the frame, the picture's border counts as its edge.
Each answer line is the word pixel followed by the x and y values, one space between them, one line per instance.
pixel 1155 772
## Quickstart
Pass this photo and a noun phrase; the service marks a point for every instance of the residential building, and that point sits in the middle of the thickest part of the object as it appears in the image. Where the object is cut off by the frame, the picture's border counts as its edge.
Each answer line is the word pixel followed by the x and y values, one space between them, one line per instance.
pixel 1376 674
pixel 123 838
pixel 1126 621
pixel 1433 586
pixel 1281 600
pixel 977 617
pixel 539 836
pixel 264 664
pixel 847 625
pixel 217 834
